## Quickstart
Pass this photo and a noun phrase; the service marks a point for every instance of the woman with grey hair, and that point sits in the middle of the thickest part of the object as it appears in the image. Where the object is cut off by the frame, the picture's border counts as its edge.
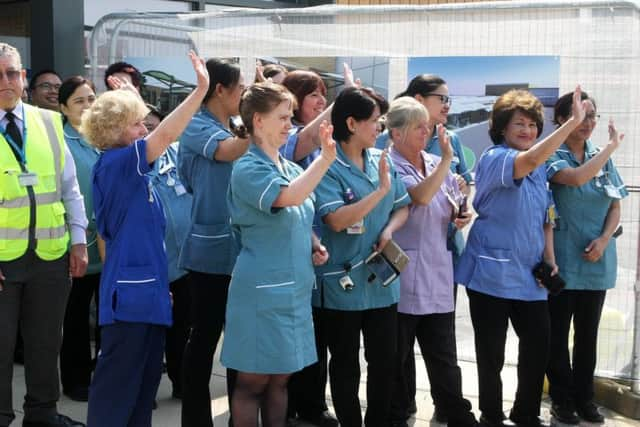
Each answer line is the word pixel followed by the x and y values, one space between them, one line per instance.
pixel 426 308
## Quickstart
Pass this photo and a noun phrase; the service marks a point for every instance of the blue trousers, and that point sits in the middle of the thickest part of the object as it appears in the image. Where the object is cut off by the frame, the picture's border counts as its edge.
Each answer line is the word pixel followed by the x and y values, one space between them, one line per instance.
pixel 127 375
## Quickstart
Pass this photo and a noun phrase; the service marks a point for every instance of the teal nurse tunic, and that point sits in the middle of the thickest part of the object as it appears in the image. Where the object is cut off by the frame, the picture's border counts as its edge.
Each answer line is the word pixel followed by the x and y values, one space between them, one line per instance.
pixel 582 212
pixel 85 157
pixel 209 246
pixel 269 328
pixel 345 183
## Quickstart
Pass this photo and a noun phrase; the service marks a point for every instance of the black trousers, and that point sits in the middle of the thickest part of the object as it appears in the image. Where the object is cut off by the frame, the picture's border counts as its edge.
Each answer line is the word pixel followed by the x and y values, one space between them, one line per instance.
pixel 76 359
pixel 35 296
pixel 571 382
pixel 379 329
pixel 306 388
pixel 178 333
pixel 530 319
pixel 208 308
pixel 436 336
pixel 410 362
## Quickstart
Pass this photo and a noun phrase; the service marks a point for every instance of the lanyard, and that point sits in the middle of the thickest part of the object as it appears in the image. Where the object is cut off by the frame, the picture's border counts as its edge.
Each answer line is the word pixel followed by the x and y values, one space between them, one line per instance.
pixel 20 150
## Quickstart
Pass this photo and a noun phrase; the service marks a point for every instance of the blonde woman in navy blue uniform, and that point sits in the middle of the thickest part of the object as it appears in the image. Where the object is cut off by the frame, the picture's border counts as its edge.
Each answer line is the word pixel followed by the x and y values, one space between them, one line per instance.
pixel 269 330
pixel 362 202
pixel 135 306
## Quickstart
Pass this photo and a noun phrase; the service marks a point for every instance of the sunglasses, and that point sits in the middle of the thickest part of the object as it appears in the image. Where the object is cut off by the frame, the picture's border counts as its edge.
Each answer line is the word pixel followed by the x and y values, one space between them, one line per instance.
pixel 12 75
pixel 445 99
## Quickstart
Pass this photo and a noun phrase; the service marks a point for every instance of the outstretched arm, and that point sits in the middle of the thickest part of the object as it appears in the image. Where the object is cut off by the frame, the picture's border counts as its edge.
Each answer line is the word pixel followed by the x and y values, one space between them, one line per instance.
pixel 171 127
pixel 530 159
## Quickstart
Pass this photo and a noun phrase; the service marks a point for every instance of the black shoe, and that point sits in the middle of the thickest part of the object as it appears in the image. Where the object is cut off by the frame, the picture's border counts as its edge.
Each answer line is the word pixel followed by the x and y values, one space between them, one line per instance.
pixel 176 393
pixel 58 420
pixel 527 421
pixel 412 408
pixel 439 416
pixel 589 412
pixel 564 414
pixel 18 356
pixel 291 422
pixel 488 422
pixel 79 394
pixel 402 423
pixel 323 419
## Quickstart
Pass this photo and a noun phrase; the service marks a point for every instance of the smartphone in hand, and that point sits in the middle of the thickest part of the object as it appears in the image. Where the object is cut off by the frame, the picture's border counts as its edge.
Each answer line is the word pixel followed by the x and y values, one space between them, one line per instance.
pixel 463 207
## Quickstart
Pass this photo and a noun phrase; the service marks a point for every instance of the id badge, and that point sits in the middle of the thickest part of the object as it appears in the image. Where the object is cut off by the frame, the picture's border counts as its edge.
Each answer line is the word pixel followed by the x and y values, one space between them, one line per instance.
pixel 28 179
pixel 612 191
pixel 179 189
pixel 357 228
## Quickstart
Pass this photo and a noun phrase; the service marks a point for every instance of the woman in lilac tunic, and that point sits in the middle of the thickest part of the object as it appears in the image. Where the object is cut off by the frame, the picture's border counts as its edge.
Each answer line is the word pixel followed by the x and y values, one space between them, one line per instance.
pixel 426 307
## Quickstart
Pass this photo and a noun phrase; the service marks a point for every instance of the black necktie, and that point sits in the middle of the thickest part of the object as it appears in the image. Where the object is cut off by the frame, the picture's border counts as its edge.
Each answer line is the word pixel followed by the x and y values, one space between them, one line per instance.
pixel 14 133
pixel 12 129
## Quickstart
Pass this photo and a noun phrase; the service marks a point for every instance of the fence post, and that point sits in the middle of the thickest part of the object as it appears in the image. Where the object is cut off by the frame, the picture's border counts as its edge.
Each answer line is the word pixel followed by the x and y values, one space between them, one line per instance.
pixel 635 356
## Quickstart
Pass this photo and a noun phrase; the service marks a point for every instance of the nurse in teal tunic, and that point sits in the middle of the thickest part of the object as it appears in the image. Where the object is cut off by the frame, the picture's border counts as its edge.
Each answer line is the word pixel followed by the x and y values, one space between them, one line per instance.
pixel 207 151
pixel 75 96
pixel 269 330
pixel 587 190
pixel 362 202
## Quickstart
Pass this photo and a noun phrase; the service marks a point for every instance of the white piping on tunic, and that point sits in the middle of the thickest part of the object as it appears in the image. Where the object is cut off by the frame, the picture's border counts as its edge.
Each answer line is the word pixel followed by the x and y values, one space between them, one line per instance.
pixel 275 285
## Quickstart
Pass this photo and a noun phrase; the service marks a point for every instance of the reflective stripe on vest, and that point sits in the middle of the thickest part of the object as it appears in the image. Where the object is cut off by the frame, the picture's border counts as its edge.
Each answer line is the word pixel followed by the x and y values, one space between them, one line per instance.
pixel 45 157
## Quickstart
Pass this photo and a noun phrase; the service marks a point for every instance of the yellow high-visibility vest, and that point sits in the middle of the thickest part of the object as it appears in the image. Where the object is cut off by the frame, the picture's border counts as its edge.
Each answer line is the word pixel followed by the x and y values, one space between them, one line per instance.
pixel 44 153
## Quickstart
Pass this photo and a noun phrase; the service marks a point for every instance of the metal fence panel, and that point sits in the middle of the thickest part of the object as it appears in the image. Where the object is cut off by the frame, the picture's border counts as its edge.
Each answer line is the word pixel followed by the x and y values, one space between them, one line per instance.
pixel 597 43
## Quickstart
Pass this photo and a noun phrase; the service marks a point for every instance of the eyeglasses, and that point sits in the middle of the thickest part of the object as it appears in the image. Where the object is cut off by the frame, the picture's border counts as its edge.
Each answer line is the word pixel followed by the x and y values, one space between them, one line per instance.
pixel 49 86
pixel 445 99
pixel 12 75
pixel 592 117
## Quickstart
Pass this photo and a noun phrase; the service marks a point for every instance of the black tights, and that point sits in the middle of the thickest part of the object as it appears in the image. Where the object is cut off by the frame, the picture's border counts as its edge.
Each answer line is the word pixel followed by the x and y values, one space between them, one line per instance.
pixel 264 392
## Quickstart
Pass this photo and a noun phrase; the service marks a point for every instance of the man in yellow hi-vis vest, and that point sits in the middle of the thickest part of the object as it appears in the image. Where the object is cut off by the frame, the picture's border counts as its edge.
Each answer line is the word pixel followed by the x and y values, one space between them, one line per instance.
pixel 42 245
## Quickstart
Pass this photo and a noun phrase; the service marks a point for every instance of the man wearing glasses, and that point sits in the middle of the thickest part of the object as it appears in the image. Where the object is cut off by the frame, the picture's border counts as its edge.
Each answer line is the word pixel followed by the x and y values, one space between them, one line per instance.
pixel 41 211
pixel 44 88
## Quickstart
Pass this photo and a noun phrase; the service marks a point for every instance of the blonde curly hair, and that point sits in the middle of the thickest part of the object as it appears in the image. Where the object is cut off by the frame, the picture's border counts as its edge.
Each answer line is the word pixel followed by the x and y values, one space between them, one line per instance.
pixel 106 120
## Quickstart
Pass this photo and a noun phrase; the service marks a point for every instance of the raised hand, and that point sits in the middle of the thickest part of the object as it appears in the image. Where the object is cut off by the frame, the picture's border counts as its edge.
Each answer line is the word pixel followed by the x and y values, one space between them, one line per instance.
pixel 445 142
pixel 200 67
pixel 384 180
pixel 349 81
pixel 614 137
pixel 259 72
pixel 116 83
pixel 328 145
pixel 579 107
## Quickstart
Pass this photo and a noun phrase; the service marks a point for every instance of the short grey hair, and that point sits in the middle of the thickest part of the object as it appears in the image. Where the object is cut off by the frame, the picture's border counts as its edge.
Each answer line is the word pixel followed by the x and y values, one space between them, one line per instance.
pixel 6 50
pixel 405 111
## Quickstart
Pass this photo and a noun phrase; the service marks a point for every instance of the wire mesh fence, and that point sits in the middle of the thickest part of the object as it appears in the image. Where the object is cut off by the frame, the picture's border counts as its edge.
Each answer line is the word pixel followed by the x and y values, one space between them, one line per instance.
pixel 597 44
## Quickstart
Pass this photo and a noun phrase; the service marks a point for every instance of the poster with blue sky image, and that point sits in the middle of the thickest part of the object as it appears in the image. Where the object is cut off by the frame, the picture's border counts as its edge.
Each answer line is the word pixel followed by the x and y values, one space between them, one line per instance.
pixel 475 82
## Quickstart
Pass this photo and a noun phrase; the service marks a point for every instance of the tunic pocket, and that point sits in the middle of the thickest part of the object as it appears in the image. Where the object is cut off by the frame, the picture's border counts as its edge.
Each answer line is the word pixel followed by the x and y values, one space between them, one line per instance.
pixel 208 244
pixel 275 326
pixel 496 269
pixel 134 294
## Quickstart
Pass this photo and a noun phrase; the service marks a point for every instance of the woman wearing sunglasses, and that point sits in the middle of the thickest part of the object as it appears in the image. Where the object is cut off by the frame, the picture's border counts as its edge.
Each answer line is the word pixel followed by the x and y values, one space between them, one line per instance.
pixel 587 190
